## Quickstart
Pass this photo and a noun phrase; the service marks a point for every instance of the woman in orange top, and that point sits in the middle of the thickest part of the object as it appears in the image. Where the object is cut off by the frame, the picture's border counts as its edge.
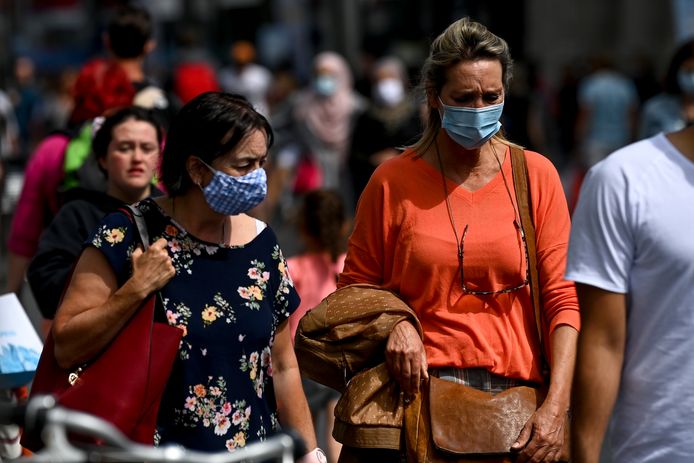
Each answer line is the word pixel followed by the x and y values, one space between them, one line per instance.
pixel 439 225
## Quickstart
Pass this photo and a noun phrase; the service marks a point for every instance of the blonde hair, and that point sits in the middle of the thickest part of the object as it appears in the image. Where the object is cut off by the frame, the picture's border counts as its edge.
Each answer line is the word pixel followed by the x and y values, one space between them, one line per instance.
pixel 464 40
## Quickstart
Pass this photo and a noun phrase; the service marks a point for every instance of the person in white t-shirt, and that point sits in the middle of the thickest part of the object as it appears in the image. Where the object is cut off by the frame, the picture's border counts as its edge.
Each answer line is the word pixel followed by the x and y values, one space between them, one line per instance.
pixel 631 254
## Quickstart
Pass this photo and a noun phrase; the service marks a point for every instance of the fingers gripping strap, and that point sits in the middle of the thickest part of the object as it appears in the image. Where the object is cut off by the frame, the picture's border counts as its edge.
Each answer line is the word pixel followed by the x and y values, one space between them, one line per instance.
pixel 139 220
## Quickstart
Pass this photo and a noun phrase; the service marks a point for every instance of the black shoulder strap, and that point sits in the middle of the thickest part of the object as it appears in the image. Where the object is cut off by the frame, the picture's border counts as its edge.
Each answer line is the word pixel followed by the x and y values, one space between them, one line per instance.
pixel 524 201
pixel 141 225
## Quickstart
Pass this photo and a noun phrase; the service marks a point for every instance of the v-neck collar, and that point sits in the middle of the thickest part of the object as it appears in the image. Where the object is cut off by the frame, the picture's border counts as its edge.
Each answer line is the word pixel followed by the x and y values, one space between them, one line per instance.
pixel 459 190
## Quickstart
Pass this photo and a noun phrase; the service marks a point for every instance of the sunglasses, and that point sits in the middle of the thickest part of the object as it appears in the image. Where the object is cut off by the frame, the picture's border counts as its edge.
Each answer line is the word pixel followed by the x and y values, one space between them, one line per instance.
pixel 461 258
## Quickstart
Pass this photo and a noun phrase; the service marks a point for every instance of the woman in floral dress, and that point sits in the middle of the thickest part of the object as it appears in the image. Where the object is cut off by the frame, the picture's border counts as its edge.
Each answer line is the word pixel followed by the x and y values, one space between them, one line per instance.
pixel 222 279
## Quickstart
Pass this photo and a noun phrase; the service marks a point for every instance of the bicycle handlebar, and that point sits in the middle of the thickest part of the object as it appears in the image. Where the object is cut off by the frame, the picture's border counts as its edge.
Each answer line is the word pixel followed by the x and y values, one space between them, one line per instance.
pixel 42 415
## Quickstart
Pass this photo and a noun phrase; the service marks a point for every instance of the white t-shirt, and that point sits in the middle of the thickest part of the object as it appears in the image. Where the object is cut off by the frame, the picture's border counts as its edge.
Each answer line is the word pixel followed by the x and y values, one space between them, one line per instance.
pixel 633 232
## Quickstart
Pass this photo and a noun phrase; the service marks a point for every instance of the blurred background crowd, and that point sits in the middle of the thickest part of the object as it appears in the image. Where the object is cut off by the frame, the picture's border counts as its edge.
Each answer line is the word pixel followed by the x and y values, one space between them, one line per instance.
pixel 576 63
pixel 337 79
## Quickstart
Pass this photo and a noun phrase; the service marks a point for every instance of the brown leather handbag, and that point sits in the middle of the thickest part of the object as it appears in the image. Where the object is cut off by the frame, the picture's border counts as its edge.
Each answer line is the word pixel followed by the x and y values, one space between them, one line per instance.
pixel 450 422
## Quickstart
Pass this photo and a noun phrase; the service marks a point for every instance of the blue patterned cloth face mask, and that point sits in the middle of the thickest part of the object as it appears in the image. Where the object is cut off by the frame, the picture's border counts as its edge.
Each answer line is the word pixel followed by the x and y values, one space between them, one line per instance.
pixel 471 127
pixel 229 195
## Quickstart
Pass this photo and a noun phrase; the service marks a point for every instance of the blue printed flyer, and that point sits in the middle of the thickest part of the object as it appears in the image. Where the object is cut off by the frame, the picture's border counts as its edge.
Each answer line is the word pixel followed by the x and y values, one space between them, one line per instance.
pixel 20 345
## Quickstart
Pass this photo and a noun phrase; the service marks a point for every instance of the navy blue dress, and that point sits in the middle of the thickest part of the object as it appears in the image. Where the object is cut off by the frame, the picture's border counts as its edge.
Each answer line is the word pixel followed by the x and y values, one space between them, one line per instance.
pixel 229 302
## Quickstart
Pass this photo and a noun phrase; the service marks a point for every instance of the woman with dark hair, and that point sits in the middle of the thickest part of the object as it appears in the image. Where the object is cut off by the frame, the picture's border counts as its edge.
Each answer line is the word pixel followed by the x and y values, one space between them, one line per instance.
pixel 222 279
pixel 126 147
pixel 673 109
pixel 101 85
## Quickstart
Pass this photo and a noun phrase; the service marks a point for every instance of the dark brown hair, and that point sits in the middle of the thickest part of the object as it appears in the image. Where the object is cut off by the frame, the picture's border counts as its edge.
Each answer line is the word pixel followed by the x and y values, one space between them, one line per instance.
pixel 129 30
pixel 104 135
pixel 210 125
pixel 683 53
pixel 322 218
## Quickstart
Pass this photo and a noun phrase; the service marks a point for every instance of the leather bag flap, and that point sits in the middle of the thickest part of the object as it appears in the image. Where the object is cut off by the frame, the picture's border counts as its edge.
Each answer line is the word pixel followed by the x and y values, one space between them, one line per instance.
pixel 497 420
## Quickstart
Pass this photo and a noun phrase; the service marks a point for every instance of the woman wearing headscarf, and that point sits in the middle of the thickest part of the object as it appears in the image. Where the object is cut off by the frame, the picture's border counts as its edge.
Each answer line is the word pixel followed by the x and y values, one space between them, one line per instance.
pixel 324 117
pixel 314 137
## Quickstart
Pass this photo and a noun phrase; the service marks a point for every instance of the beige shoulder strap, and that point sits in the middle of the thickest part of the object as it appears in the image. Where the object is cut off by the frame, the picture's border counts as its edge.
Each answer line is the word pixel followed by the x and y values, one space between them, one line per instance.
pixel 524 201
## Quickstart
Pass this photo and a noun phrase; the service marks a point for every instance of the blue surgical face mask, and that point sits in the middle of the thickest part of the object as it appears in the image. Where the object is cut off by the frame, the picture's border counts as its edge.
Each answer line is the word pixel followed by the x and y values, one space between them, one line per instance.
pixel 471 127
pixel 229 195
pixel 685 79
pixel 325 85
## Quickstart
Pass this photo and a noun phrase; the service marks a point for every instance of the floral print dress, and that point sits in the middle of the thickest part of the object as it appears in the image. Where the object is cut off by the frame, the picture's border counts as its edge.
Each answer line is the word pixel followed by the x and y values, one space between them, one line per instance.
pixel 229 302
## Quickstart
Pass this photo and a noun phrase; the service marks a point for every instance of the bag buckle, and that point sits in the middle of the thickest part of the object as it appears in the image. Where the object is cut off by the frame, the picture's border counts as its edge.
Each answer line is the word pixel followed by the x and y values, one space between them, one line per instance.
pixel 74 376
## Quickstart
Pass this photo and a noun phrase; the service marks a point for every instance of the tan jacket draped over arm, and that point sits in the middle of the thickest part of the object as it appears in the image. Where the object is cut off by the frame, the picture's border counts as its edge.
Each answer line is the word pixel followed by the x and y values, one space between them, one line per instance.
pixel 341 344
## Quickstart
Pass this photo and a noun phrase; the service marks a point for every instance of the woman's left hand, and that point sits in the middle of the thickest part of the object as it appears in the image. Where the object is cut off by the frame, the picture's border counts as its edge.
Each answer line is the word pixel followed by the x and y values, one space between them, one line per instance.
pixel 542 437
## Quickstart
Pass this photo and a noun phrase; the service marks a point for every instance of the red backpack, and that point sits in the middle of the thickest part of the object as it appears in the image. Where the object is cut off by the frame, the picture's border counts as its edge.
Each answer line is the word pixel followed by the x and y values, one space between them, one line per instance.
pixel 101 85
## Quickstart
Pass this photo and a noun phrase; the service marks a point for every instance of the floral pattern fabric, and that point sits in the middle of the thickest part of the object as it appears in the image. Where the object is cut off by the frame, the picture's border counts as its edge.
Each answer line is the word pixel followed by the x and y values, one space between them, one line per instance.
pixel 229 302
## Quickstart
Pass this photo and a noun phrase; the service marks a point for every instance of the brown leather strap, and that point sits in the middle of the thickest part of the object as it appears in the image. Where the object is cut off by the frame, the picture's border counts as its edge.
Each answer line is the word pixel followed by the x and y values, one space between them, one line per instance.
pixel 524 201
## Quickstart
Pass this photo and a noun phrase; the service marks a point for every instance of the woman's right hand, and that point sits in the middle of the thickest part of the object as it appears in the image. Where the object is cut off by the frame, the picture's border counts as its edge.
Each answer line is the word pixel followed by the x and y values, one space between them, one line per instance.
pixel 406 358
pixel 152 269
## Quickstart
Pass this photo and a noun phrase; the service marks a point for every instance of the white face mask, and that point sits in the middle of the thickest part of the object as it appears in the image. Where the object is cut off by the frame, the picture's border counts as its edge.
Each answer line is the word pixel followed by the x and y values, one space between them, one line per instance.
pixel 389 91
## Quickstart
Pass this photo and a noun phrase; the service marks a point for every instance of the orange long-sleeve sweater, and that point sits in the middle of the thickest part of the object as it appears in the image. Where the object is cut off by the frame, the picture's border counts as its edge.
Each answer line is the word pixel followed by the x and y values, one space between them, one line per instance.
pixel 403 240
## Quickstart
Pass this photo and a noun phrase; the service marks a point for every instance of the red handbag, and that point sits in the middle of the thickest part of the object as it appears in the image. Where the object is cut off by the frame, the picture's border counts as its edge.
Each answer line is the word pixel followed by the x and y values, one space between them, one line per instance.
pixel 124 384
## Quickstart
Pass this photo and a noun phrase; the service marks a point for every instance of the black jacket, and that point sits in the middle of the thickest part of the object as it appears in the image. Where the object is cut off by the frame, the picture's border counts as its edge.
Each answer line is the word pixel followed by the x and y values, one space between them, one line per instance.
pixel 62 242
